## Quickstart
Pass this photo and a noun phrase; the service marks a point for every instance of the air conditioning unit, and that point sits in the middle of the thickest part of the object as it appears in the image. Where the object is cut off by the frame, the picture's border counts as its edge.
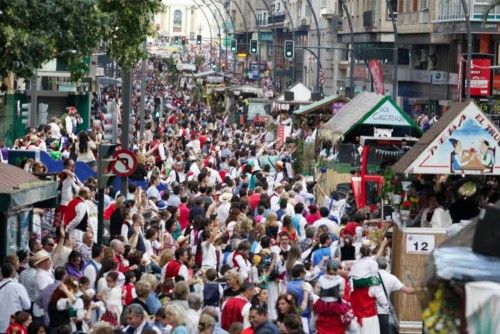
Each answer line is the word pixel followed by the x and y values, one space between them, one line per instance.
pixel 305 21
pixel 327 12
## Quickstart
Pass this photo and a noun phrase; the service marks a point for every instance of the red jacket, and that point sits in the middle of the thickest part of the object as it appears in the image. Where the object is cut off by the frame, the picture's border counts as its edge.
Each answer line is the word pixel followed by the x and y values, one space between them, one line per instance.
pixel 121 266
pixel 232 311
pixel 183 216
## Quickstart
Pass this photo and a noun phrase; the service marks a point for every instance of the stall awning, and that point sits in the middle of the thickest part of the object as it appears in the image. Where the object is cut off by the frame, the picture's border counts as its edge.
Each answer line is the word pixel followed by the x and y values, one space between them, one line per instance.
pixel 19 188
pixel 208 73
pixel 319 105
pixel 463 141
pixel 365 109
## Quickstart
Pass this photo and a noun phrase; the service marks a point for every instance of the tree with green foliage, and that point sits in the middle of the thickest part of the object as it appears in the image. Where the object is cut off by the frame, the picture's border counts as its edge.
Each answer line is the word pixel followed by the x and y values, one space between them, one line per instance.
pixel 33 32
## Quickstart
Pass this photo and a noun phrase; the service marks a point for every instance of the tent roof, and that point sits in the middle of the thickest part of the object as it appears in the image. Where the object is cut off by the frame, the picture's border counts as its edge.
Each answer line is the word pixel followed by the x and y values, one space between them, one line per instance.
pixel 208 73
pixel 455 119
pixel 12 176
pixel 319 104
pixel 357 111
pixel 296 88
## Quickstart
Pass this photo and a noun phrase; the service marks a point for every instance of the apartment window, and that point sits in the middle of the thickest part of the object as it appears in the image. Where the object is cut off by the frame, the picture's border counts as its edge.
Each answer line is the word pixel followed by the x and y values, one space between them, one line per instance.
pixel 424 4
pixel 394 5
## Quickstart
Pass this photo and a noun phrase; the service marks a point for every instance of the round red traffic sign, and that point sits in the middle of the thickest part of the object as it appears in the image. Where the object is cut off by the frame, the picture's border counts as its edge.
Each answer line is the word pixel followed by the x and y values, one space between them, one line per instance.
pixel 124 163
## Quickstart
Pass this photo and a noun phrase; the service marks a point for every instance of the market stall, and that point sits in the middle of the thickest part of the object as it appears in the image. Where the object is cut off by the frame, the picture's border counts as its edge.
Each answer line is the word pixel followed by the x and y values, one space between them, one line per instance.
pixel 460 148
pixel 339 141
pixel 19 193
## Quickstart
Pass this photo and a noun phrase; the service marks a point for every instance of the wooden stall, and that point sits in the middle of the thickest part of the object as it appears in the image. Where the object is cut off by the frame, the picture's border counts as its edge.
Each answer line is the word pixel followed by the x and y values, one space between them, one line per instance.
pixel 411 247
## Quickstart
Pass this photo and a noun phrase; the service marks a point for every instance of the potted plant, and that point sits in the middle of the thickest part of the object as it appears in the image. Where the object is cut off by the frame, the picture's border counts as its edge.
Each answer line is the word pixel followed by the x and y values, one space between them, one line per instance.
pixel 405 210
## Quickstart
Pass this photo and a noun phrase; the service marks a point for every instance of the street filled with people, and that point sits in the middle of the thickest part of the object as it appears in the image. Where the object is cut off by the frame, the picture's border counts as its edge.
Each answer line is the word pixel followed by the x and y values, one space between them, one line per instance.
pixel 217 233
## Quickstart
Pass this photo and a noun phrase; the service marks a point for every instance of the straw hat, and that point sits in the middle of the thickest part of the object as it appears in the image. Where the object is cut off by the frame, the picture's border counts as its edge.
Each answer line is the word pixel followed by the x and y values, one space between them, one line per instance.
pixel 41 256
pixel 225 197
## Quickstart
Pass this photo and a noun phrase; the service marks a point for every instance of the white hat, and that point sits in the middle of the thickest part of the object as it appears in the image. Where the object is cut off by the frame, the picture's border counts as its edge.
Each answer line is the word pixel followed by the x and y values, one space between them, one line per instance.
pixel 278 185
pixel 41 256
pixel 225 197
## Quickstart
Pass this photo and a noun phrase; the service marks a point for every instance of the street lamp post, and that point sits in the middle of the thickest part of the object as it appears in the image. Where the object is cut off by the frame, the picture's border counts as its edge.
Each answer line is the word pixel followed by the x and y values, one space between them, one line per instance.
pixel 468 67
pixel 223 25
pixel 318 38
pixel 246 28
pixel 395 56
pixel 351 32
pixel 284 3
pixel 209 28
pixel 218 29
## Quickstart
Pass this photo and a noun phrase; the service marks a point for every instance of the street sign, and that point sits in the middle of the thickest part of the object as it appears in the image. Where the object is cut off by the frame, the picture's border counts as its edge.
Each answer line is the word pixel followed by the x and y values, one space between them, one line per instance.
pixel 124 163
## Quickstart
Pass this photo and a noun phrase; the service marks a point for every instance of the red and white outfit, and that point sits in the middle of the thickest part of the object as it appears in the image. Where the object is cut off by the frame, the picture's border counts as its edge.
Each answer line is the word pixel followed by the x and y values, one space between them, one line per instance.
pixel 75 218
pixel 242 266
pixel 174 268
pixel 364 299
pixel 235 309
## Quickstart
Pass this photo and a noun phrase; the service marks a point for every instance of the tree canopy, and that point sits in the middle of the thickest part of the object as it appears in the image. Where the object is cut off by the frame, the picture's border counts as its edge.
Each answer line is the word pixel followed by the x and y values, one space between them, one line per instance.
pixel 33 32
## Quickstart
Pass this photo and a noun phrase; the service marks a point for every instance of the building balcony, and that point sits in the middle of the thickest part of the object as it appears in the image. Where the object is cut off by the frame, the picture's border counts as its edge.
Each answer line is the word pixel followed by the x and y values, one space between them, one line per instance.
pixel 451 10
pixel 276 18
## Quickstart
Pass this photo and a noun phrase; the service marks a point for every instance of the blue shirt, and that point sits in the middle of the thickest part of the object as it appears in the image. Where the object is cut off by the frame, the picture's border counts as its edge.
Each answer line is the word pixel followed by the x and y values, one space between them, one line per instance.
pixel 153 303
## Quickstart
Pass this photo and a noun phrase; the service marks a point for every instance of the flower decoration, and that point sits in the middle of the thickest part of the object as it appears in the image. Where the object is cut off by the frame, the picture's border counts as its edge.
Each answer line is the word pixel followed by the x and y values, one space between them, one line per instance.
pixel 406 205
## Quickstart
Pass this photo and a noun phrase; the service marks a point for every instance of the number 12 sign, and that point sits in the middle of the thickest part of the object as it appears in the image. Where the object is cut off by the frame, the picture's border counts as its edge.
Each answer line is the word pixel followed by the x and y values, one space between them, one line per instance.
pixel 419 243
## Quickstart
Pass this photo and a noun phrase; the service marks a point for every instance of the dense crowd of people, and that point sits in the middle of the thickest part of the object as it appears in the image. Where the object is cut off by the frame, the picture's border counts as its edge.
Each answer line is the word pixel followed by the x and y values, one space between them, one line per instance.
pixel 224 238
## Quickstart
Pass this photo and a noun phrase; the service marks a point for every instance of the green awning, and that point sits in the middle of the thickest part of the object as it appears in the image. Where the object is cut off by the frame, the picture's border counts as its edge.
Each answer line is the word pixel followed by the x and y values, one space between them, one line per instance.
pixel 321 104
pixel 29 194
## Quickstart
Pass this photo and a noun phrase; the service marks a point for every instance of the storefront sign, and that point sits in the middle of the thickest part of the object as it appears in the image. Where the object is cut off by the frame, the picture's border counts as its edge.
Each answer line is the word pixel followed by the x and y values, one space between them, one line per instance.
pixel 468 145
pixel 387 114
pixel 377 76
pixel 480 77
pixel 420 243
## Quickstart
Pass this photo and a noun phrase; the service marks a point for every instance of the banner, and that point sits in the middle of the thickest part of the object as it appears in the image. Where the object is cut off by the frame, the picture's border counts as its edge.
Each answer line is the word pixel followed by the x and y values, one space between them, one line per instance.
pixel 377 76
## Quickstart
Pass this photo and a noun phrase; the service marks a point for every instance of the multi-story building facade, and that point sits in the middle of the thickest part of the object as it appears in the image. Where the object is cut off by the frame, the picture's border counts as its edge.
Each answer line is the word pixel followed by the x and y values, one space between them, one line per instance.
pixel 431 40
pixel 187 18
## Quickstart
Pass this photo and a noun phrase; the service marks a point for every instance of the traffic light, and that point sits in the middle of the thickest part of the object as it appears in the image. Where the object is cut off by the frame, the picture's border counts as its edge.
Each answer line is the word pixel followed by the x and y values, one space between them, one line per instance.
pixel 176 39
pixel 110 124
pixel 183 40
pixel 43 113
pixel 104 172
pixel 198 39
pixel 253 46
pixel 234 46
pixel 26 114
pixel 289 49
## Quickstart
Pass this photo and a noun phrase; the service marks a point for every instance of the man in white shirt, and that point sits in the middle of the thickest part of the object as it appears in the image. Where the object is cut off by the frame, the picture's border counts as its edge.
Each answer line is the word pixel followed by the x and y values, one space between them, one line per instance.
pixel 223 209
pixel 390 283
pixel 332 226
pixel 13 295
pixel 43 278
pixel 93 267
pixel 275 197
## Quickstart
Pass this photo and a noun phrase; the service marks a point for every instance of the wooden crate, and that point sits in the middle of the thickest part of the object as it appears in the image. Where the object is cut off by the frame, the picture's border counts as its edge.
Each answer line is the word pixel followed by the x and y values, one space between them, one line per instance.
pixel 409 265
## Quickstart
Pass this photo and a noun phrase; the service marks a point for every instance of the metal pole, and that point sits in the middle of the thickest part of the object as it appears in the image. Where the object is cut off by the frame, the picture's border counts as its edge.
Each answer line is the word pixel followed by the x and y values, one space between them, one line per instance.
pixel 34 102
pixel 209 27
pixel 246 29
pixel 318 38
pixel 468 68
pixel 100 216
pixel 127 108
pixel 273 31
pixel 233 25
pixel 223 25
pixel 395 56
pixel 258 36
pixel 142 112
pixel 285 5
pixel 351 33
pixel 218 29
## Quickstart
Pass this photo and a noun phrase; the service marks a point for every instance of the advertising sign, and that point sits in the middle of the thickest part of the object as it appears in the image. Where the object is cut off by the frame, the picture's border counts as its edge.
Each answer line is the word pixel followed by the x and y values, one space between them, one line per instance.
pixel 387 114
pixel 468 145
pixel 377 76
pixel 480 81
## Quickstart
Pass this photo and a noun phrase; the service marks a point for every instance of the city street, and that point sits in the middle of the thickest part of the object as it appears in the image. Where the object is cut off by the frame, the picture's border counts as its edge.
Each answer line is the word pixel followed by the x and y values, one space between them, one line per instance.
pixel 250 166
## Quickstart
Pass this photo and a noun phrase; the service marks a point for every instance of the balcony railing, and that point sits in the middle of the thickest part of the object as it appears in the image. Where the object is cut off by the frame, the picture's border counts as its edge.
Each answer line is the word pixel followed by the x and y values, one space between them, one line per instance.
pixel 451 10
pixel 276 18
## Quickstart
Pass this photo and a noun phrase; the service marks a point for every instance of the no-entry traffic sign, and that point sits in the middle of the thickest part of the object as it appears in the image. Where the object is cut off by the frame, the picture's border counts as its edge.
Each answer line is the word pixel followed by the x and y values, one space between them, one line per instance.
pixel 124 163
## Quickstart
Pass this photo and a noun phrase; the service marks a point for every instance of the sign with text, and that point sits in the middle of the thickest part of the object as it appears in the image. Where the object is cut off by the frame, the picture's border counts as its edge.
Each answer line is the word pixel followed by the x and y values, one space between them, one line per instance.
pixel 468 145
pixel 420 243
pixel 480 80
pixel 387 114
